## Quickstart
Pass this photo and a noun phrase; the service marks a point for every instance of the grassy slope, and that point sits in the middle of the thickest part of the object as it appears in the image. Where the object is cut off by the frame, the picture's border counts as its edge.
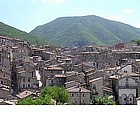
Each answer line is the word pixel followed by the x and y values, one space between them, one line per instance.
pixel 11 32
pixel 72 31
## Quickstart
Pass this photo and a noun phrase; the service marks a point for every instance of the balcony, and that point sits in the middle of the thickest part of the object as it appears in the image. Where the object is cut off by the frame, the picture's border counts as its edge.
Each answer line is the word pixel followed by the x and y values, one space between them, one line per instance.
pixel 127 87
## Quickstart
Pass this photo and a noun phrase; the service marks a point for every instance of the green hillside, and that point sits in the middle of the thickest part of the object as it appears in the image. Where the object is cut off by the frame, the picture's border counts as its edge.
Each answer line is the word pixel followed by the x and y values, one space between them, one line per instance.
pixel 85 30
pixel 8 31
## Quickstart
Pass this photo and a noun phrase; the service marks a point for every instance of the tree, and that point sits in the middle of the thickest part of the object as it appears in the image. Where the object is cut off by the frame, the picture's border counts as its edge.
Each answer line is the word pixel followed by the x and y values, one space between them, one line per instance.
pixel 133 40
pixel 26 101
pixel 102 100
pixel 59 94
pixel 35 101
pixel 138 42
pixel 48 96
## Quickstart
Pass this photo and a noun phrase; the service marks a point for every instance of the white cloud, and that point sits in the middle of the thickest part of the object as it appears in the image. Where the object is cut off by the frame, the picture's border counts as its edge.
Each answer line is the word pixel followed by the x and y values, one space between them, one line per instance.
pixel 137 24
pixel 128 11
pixel 49 1
pixel 114 18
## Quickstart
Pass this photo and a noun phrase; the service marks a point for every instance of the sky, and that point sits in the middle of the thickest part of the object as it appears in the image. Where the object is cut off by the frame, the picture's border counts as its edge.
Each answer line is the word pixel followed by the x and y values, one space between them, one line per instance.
pixel 28 14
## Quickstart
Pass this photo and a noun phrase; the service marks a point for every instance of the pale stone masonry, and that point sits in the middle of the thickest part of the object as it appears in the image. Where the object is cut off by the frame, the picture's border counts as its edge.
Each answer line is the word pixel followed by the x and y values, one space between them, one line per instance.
pixel 126 89
pixel 26 77
pixel 25 94
pixel 96 86
pixel 79 95
pixel 52 76
pixel 5 72
pixel 85 72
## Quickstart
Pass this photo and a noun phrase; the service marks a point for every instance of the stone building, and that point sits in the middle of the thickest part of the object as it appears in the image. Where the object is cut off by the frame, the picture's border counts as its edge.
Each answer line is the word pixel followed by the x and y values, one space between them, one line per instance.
pixel 26 77
pixel 77 77
pixel 53 76
pixel 25 94
pixel 125 88
pixel 96 86
pixel 79 96
pixel 5 72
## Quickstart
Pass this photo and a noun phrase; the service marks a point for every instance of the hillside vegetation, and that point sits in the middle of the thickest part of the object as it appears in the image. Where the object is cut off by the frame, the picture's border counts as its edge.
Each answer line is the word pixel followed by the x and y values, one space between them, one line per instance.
pixel 85 30
pixel 8 31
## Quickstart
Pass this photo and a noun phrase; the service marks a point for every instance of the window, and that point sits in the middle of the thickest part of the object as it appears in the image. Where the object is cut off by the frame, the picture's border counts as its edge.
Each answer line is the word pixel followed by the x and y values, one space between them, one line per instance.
pixel 127 85
pixel 72 95
pixel 1 82
pixel 83 95
pixel 23 86
pixel 130 99
pixel 32 74
pixel 23 80
pixel 29 80
pixel 0 57
pixel 94 87
pixel 125 71
pixel 29 85
pixel 60 80
pixel 124 99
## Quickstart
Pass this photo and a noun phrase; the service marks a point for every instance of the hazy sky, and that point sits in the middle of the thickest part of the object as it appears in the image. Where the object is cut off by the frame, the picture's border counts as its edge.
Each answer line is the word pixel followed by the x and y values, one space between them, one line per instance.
pixel 27 14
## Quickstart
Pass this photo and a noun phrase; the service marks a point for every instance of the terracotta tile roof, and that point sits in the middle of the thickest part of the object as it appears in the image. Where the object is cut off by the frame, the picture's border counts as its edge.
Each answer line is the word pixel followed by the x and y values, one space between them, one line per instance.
pixel 7 38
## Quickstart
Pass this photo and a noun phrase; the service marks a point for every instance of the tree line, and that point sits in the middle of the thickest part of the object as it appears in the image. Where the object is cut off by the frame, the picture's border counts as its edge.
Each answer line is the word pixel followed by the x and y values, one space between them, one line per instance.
pixel 59 96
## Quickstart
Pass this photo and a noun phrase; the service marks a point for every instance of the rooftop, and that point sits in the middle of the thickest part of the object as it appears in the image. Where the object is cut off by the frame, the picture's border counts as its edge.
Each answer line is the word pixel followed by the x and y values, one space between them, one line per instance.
pixel 90 52
pixel 2 102
pixel 7 38
pixel 60 76
pixel 25 94
pixel 97 79
pixel 72 82
pixel 54 68
pixel 78 90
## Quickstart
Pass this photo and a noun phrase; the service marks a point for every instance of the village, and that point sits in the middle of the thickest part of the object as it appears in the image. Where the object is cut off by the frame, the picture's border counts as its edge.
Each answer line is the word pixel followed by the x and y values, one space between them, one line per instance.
pixel 112 71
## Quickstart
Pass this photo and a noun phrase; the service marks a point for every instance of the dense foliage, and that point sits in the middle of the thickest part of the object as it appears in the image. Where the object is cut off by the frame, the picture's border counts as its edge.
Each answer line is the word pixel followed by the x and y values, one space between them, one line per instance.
pixel 136 41
pixel 48 96
pixel 86 30
pixel 11 32
pixel 102 100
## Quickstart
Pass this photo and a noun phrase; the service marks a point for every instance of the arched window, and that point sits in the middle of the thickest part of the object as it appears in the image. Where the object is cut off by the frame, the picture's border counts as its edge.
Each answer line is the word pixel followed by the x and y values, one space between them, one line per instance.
pixel 131 99
pixel 124 99
pixel 23 86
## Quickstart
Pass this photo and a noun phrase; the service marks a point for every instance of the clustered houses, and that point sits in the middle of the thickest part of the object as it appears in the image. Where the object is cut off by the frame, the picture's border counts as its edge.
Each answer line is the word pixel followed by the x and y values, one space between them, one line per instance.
pixel 5 67
pixel 85 72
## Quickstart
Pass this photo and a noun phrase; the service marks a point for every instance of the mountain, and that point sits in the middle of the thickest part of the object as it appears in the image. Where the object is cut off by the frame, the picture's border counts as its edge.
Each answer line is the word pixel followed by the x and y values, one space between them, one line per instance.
pixel 8 31
pixel 85 30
